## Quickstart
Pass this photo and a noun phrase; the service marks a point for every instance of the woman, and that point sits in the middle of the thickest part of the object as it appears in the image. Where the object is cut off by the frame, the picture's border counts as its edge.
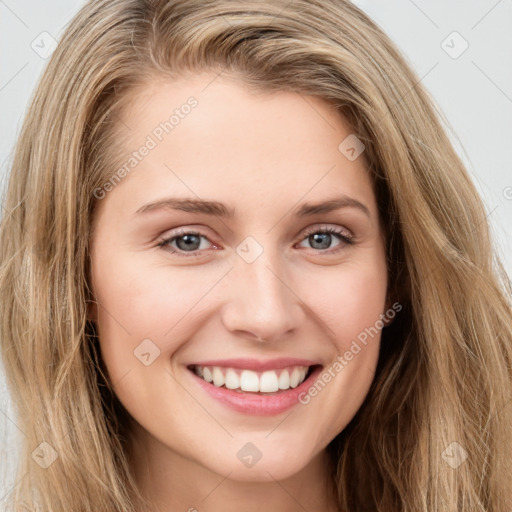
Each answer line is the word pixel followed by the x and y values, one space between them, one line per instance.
pixel 264 370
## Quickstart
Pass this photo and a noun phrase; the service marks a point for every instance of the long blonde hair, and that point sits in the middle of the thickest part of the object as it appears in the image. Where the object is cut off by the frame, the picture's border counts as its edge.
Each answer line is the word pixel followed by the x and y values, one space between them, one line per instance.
pixel 444 373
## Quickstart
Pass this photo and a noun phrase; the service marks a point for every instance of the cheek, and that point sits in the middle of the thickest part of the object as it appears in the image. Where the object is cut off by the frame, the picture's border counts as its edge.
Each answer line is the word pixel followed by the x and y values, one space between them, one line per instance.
pixel 362 302
pixel 139 302
pixel 349 299
pixel 350 302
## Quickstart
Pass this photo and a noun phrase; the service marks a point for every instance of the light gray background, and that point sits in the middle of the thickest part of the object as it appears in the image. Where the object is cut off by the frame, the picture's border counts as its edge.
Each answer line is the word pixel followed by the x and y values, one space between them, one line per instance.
pixel 473 90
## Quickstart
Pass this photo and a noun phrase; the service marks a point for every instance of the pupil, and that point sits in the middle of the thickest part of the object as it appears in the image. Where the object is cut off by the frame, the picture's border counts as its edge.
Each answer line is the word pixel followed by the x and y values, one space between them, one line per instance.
pixel 325 236
pixel 190 242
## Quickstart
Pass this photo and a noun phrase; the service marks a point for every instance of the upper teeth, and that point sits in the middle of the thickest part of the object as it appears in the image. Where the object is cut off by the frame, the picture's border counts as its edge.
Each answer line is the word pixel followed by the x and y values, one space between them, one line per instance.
pixel 247 380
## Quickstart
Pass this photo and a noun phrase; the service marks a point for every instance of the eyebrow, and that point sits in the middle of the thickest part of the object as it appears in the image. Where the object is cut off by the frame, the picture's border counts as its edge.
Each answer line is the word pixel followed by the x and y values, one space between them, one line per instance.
pixel 218 209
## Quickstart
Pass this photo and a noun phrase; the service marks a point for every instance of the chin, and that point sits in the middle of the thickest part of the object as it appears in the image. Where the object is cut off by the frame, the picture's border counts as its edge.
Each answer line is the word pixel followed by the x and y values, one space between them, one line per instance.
pixel 264 464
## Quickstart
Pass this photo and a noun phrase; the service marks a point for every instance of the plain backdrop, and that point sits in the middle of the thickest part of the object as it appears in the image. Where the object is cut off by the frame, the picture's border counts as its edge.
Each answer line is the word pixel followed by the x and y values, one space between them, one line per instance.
pixel 460 49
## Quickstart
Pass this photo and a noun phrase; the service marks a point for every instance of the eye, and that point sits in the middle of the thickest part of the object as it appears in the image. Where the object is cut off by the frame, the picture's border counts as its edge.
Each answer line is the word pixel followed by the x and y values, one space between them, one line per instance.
pixel 321 238
pixel 189 243
pixel 186 241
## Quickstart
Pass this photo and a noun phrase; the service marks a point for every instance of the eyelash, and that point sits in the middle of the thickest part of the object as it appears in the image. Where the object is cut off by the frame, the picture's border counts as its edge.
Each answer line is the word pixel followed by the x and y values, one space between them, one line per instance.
pixel 342 236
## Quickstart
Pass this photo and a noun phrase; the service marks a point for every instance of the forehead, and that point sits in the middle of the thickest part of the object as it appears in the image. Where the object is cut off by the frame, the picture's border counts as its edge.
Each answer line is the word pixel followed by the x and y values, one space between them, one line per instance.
pixel 210 136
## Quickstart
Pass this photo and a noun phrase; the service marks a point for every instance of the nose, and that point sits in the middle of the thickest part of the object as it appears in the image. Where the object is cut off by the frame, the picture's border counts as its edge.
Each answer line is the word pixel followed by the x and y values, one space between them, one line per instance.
pixel 262 304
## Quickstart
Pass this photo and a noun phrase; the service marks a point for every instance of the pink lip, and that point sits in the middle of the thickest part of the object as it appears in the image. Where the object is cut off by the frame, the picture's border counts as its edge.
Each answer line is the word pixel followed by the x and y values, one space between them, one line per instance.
pixel 258 404
pixel 258 365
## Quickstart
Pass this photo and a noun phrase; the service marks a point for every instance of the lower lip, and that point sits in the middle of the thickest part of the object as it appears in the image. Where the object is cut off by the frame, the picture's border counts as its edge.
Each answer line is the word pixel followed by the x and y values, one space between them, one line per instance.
pixel 258 404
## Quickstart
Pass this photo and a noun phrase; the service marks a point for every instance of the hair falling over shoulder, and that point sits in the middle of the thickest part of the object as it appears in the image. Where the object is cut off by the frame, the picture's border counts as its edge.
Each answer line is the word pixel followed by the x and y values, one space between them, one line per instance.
pixel 444 379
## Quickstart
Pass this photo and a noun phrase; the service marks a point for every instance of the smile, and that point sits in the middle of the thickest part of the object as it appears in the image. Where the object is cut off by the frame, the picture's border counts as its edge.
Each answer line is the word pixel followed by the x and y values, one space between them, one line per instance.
pixel 270 381
pixel 265 389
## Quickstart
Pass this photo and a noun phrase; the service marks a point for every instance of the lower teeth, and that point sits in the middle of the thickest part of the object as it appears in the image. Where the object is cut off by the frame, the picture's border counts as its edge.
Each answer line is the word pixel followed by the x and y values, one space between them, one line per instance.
pixel 238 390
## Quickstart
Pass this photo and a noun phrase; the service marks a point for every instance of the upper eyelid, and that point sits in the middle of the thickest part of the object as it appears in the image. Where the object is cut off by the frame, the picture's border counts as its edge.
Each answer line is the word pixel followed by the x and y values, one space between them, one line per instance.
pixel 315 227
pixel 326 227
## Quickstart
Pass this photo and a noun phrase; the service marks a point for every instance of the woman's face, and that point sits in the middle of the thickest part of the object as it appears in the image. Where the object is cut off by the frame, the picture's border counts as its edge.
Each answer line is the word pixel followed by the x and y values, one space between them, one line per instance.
pixel 212 255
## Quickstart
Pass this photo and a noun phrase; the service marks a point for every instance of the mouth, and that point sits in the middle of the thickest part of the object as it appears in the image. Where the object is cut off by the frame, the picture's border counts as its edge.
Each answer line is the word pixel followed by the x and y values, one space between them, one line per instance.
pixel 263 383
pixel 262 391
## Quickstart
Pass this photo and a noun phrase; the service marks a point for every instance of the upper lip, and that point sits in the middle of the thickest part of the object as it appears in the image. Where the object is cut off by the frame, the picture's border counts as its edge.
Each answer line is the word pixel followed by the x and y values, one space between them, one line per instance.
pixel 258 364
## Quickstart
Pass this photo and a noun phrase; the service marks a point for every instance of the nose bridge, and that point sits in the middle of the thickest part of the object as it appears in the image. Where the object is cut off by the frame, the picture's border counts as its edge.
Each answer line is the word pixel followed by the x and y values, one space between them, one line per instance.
pixel 261 300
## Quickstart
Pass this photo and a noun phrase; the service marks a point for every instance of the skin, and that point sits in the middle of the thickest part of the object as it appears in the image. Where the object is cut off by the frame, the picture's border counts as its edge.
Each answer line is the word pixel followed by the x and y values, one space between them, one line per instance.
pixel 264 155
